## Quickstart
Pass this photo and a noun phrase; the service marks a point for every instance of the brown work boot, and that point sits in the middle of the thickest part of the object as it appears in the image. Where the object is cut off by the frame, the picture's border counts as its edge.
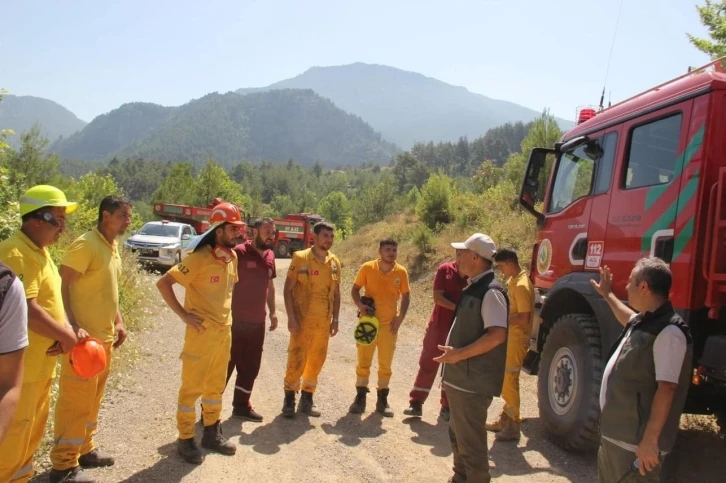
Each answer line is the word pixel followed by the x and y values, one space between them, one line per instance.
pixel 510 431
pixel 213 439
pixel 288 406
pixel 96 459
pixel 498 425
pixel 359 403
pixel 72 475
pixel 382 403
pixel 306 404
pixel 189 451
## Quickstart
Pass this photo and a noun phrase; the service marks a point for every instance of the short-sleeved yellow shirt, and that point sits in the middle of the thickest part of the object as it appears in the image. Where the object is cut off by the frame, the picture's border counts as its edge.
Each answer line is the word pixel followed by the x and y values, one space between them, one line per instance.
pixel 521 299
pixel 208 283
pixel 316 282
pixel 94 294
pixel 42 282
pixel 385 288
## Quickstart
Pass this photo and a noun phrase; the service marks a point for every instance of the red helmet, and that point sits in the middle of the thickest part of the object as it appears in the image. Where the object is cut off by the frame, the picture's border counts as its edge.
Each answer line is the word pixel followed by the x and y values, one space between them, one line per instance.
pixel 88 358
pixel 225 213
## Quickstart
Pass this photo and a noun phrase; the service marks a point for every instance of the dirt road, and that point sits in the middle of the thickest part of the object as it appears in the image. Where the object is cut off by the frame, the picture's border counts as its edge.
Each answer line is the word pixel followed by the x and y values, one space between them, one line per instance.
pixel 138 423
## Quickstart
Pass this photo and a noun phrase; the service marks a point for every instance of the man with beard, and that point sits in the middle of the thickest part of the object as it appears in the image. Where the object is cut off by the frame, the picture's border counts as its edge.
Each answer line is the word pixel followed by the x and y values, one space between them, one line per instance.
pixel 90 272
pixel 253 293
pixel 312 301
pixel 208 275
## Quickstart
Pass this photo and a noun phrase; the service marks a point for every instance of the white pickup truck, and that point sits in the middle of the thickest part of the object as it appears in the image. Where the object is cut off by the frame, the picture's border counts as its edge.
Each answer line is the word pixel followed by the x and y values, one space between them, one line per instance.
pixel 161 242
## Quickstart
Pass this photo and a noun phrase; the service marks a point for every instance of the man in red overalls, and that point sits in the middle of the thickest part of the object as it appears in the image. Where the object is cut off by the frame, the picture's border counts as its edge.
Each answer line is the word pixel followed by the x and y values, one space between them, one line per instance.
pixel 254 293
pixel 448 284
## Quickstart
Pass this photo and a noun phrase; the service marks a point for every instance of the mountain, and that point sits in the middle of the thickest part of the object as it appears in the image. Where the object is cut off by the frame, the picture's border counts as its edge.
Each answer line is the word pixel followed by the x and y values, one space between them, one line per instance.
pixel 275 125
pixel 405 106
pixel 19 113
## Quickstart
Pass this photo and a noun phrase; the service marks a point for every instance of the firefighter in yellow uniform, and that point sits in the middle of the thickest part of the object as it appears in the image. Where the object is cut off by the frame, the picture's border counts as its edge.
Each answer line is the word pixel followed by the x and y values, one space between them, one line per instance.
pixel 312 301
pixel 208 275
pixel 521 316
pixel 90 272
pixel 385 281
pixel 43 210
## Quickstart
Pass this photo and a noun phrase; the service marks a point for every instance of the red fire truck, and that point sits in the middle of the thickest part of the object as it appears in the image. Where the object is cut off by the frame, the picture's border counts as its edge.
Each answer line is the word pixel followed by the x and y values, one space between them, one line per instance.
pixel 196 216
pixel 645 177
pixel 294 232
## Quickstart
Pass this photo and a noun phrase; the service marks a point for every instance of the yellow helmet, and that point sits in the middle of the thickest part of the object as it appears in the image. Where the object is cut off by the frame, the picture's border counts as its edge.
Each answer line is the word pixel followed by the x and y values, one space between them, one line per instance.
pixel 366 330
pixel 43 195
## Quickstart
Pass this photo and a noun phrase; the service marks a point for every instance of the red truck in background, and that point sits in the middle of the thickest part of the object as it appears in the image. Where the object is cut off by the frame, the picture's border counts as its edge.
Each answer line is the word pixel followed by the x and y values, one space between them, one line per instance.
pixel 196 216
pixel 645 177
pixel 294 232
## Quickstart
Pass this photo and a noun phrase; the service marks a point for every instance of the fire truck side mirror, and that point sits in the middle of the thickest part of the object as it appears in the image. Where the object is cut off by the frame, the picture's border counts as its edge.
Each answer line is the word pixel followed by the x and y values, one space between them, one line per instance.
pixel 532 191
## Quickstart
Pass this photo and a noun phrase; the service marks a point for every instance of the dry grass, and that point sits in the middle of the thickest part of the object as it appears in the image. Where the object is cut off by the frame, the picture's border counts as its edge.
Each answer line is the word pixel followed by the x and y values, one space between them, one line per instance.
pixel 495 212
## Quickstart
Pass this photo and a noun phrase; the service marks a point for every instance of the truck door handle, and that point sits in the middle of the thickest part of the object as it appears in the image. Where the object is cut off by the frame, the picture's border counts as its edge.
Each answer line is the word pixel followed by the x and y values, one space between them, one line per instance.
pixel 664 248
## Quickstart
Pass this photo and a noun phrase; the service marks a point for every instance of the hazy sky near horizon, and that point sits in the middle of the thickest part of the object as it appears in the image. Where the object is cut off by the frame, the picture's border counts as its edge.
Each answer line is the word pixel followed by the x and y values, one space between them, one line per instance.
pixel 93 56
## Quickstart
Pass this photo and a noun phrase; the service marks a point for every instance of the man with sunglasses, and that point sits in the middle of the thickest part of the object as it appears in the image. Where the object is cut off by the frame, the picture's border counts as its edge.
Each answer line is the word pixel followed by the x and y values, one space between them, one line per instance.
pixel 253 294
pixel 43 211
pixel 208 275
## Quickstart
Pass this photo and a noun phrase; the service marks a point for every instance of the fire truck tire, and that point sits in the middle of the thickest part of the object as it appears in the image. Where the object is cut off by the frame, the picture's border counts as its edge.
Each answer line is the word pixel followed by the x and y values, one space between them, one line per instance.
pixel 568 386
pixel 282 250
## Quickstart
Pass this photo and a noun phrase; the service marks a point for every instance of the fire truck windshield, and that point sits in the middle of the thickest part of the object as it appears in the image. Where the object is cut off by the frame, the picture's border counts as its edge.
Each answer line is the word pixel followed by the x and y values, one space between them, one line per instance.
pixel 159 230
pixel 573 179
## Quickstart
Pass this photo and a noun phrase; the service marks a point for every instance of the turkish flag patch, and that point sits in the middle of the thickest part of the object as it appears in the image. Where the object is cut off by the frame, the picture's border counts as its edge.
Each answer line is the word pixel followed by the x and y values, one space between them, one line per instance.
pixel 315 272
pixel 214 279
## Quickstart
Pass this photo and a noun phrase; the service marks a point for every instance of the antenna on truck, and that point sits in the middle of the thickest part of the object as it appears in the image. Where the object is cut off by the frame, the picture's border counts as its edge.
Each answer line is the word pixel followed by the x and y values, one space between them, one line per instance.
pixel 610 57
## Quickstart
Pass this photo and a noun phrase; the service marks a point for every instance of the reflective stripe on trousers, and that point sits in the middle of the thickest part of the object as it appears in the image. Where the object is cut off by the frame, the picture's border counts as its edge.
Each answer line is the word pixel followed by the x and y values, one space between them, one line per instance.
pixel 76 413
pixel 306 354
pixel 204 373
pixel 25 432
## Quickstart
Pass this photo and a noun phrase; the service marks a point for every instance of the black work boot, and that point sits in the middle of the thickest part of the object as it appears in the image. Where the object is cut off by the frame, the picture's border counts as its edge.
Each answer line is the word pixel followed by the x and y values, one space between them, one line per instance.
pixel 382 403
pixel 188 450
pixel 72 475
pixel 213 439
pixel 415 409
pixel 96 459
pixel 359 404
pixel 306 404
pixel 288 407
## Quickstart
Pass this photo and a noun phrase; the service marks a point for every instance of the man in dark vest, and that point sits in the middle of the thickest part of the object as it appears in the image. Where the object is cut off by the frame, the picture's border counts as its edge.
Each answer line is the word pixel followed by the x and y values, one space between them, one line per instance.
pixel 646 379
pixel 474 358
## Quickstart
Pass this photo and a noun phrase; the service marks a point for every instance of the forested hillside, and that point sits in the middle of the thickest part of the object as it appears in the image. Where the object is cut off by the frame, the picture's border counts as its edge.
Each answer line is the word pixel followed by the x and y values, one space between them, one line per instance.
pixel 20 113
pixel 407 107
pixel 274 126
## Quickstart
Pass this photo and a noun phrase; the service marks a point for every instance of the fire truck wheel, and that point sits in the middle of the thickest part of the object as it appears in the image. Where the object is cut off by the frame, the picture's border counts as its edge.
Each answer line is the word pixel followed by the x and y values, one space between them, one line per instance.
pixel 282 250
pixel 568 386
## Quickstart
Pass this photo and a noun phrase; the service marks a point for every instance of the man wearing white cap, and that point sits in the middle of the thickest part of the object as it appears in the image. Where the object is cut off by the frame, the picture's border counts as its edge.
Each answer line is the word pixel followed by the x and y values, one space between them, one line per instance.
pixel 474 358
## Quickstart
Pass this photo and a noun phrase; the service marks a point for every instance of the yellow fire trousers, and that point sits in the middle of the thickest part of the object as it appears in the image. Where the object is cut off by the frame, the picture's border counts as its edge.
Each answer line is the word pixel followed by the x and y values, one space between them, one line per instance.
pixel 205 358
pixel 76 413
pixel 25 433
pixel 306 354
pixel 517 345
pixel 386 345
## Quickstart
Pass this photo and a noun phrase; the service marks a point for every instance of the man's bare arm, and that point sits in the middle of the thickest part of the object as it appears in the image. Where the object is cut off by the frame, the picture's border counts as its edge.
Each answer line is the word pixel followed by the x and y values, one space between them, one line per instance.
pixel 68 277
pixel 271 297
pixel 441 300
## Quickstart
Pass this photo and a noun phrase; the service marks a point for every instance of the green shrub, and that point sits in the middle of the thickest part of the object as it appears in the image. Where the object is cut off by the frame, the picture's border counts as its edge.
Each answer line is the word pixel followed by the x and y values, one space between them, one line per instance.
pixel 423 238
pixel 434 205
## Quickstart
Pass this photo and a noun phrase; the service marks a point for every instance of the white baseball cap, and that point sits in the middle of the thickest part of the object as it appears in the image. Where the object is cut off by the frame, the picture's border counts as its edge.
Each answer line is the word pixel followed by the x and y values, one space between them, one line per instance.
pixel 480 244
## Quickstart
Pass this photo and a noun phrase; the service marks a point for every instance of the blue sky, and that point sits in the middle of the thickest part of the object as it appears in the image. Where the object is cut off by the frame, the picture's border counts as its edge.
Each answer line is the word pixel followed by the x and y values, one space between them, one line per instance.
pixel 93 56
